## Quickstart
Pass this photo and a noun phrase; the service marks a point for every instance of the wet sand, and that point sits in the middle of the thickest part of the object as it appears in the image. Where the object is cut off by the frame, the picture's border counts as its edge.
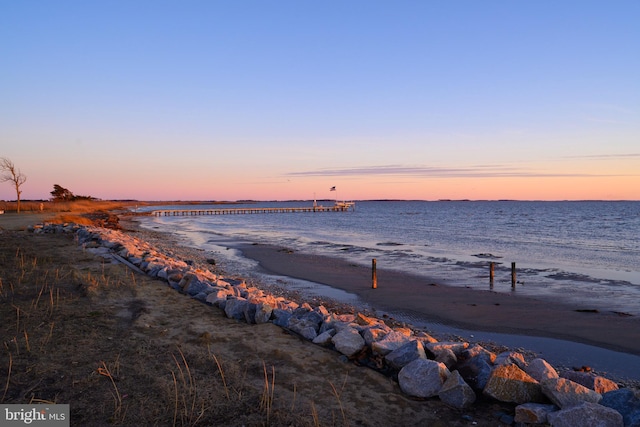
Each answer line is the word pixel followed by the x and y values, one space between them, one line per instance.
pixel 423 298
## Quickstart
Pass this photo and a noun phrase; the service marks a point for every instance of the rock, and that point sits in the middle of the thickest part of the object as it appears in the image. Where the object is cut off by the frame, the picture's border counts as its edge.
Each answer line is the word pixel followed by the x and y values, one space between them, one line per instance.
pixel 234 308
pixel 422 378
pixel 263 313
pixel 456 347
pixel 391 341
pixel 448 357
pixel 250 309
pixel 566 393
pixel 476 371
pixel 478 352
pixel 281 317
pixel 348 341
pixel 533 413
pixel 218 294
pixel 590 380
pixel 508 383
pixel 425 337
pixel 363 320
pixel 586 414
pixel 510 357
pixel 375 333
pixel 324 339
pixel 540 370
pixel 626 402
pixel 401 356
pixel 456 392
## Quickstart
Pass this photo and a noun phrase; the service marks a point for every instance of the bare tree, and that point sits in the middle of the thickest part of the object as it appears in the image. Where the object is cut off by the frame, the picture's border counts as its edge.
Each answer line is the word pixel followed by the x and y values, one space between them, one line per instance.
pixel 9 173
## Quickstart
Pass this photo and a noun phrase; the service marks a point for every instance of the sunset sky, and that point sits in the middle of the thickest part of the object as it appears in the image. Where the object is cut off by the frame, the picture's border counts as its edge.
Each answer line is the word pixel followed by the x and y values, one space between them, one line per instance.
pixel 278 100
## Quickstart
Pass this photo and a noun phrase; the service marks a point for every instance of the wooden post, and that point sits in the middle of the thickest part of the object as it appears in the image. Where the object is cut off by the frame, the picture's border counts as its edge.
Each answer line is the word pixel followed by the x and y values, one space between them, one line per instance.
pixel 492 273
pixel 513 275
pixel 374 274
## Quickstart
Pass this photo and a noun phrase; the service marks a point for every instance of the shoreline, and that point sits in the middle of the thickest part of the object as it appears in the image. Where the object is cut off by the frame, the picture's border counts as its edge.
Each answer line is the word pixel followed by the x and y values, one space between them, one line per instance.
pixel 464 308
pixel 601 340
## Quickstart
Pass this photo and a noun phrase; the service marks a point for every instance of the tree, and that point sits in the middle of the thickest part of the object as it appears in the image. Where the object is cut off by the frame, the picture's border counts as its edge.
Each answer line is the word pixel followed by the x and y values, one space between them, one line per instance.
pixel 9 173
pixel 61 194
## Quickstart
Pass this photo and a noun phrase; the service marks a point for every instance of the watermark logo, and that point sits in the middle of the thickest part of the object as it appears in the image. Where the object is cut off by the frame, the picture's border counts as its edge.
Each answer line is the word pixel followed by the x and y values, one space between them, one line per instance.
pixel 34 415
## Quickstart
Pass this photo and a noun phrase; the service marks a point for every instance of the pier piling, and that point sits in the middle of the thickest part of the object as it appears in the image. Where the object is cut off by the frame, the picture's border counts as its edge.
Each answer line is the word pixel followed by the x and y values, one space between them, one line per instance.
pixel 513 275
pixel 374 274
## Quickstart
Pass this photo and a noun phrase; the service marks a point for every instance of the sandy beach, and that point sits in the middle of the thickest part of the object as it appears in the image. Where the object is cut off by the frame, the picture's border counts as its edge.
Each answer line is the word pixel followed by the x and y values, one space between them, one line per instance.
pixel 421 298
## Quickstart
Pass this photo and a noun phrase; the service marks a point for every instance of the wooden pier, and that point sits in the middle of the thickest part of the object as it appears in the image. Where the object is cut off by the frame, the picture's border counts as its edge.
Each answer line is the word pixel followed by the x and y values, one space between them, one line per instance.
pixel 243 211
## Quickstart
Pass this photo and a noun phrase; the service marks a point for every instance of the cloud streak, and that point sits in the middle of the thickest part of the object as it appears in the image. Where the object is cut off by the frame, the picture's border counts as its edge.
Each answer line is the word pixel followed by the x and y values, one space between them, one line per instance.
pixel 481 171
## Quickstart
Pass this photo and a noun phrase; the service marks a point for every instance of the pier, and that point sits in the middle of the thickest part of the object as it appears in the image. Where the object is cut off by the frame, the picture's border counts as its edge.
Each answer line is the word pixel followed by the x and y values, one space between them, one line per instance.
pixel 342 207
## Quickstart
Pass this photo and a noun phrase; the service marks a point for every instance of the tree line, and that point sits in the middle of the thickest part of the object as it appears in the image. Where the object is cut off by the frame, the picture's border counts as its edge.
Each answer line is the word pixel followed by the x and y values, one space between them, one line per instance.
pixel 10 173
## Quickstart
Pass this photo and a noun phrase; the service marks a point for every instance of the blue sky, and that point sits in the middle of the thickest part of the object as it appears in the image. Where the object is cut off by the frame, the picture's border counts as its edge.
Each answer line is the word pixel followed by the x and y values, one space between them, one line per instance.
pixel 284 99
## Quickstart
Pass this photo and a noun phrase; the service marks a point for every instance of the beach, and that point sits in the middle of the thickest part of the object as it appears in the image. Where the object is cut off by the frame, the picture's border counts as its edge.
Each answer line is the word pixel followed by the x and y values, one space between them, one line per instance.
pixel 168 325
pixel 425 299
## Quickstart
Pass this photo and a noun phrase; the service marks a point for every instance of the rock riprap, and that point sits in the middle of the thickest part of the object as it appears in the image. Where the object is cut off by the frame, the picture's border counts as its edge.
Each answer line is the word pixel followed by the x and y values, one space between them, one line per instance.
pixel 456 372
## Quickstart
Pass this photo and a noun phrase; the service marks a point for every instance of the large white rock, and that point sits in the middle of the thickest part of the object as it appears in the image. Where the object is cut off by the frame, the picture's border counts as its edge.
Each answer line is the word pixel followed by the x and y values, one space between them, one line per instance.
pixel 423 378
pixel 586 414
pixel 348 341
pixel 566 393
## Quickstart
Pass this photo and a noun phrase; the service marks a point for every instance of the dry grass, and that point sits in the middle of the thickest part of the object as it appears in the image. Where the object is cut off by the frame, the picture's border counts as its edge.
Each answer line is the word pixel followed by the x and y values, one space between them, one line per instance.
pixel 61 344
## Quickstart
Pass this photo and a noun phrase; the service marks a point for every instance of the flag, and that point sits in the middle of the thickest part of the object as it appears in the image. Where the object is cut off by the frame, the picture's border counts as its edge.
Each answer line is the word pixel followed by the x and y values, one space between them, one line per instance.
pixel 333 188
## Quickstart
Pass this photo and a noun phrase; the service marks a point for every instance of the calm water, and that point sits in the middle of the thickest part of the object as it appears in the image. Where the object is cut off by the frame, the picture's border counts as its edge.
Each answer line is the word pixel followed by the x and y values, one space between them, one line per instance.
pixel 588 252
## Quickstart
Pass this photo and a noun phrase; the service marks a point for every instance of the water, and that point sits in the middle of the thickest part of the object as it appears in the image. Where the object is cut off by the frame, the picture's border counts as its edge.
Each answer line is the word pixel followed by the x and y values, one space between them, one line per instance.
pixel 586 252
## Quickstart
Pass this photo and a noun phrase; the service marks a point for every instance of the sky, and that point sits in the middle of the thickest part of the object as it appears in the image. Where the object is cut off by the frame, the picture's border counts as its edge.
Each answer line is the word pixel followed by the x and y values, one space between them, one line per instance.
pixel 282 100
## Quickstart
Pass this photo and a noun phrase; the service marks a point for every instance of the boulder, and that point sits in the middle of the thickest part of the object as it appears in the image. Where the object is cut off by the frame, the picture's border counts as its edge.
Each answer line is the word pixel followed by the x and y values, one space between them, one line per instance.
pixel 626 402
pixel 234 308
pixel 566 393
pixel 456 347
pixel 448 357
pixel 263 313
pixel 375 333
pixel 218 294
pixel 348 341
pixel 540 370
pixel 508 383
pixel 422 378
pixel 391 341
pixel 401 356
pixel 533 413
pixel 591 380
pixel 511 357
pixel 478 352
pixel 324 339
pixel 476 371
pixel 586 414
pixel 456 392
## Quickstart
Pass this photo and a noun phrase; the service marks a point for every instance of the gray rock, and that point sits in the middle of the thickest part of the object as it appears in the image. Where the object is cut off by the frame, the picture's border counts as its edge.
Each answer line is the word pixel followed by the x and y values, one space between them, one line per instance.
pixel 401 356
pixel 422 378
pixel 478 352
pixel 217 295
pixel 250 312
pixel 234 308
pixel 533 413
pixel 456 392
pixel 448 357
pixel 626 402
pixel 540 370
pixel 508 383
pixel 566 393
pixel 391 341
pixel 348 341
pixel 456 347
pixel 591 380
pixel 263 313
pixel 476 371
pixel 324 339
pixel 281 317
pixel 511 357
pixel 375 333
pixel 586 414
